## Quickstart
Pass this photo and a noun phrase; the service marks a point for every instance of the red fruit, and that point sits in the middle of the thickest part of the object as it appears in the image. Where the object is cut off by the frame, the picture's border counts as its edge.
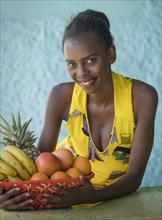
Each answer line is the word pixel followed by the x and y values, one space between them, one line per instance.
pixel 65 156
pixel 48 163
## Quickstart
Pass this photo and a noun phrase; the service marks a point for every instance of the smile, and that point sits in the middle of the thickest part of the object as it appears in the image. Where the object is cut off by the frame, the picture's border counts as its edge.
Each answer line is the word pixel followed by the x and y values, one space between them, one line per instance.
pixel 87 84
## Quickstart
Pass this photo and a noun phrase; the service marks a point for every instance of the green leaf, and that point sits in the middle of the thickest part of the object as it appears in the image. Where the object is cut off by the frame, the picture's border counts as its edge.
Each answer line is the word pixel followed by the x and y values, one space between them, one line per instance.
pixel 6 128
pixel 5 133
pixel 18 121
pixel 5 122
pixel 14 126
pixel 9 140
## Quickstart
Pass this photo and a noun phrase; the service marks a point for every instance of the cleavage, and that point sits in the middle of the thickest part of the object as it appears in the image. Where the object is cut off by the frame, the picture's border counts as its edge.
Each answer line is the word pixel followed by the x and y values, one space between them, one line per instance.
pixel 100 126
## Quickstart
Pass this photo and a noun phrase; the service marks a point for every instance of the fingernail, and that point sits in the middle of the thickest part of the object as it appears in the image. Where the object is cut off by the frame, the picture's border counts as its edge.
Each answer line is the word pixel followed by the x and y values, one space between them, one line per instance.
pixel 45 195
pixel 81 178
pixel 27 194
pixel 17 188
pixel 30 201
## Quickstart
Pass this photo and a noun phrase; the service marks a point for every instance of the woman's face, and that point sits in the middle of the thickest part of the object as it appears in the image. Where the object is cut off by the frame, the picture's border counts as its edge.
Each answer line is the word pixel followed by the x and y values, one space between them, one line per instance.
pixel 87 62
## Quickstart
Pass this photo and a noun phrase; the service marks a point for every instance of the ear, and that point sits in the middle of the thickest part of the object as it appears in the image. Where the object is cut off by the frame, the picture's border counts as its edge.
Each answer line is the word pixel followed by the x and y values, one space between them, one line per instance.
pixel 112 54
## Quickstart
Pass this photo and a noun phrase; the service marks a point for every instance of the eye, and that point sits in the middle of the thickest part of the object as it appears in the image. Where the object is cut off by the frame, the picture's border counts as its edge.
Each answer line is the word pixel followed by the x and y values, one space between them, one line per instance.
pixel 91 60
pixel 71 65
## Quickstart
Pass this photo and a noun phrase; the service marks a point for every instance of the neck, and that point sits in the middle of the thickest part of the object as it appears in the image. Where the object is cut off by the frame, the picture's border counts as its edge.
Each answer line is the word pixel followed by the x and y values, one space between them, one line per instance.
pixel 104 96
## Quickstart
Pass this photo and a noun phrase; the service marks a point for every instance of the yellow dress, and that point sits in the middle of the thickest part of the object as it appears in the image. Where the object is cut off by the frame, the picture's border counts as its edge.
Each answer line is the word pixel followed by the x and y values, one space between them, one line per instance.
pixel 112 163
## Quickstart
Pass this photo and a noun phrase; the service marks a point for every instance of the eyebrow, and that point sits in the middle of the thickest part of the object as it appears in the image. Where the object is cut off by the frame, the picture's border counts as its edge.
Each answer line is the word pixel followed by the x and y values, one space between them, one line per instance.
pixel 84 58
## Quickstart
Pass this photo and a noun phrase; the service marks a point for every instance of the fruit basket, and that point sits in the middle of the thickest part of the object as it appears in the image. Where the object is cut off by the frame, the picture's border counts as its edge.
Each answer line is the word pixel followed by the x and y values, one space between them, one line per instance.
pixel 37 188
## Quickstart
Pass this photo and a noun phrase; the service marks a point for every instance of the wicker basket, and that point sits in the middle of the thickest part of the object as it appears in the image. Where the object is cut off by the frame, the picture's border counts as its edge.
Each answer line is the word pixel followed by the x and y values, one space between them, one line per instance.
pixel 37 188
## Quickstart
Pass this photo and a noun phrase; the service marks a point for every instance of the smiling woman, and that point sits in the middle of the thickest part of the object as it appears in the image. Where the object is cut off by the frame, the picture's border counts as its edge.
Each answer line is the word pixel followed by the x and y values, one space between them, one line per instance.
pixel 87 59
pixel 109 117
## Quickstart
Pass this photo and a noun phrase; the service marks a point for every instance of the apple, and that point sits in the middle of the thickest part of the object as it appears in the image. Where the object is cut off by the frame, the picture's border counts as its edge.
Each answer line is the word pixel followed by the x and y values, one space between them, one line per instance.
pixel 65 156
pixel 48 163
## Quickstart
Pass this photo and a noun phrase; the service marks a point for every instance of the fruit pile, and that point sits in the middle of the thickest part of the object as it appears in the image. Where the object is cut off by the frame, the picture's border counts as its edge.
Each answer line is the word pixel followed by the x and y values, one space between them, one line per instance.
pixel 20 160
pixel 23 166
pixel 61 164
pixel 15 165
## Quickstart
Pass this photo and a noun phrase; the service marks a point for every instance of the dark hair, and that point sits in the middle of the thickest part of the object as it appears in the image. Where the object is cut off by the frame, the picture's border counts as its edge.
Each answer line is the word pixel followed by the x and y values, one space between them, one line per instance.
pixel 89 21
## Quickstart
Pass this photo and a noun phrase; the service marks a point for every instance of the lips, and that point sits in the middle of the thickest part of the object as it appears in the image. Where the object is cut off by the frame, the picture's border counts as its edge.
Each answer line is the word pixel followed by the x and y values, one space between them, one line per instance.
pixel 87 84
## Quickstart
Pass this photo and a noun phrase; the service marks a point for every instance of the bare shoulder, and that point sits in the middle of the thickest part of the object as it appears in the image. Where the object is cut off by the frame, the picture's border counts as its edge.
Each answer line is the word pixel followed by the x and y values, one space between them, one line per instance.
pixel 60 96
pixel 144 96
pixel 63 90
pixel 143 90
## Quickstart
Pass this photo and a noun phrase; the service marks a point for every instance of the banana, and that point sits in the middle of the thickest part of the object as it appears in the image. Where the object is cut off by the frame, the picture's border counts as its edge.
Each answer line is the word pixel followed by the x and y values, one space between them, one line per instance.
pixel 13 162
pixel 22 158
pixel 2 176
pixel 6 169
pixel 13 178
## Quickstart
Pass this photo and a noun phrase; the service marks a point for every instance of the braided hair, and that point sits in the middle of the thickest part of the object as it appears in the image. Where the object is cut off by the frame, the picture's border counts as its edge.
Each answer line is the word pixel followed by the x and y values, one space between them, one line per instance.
pixel 89 21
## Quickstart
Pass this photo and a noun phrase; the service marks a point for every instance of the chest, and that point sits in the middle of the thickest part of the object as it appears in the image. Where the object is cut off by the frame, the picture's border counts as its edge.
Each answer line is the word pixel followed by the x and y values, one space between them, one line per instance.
pixel 100 125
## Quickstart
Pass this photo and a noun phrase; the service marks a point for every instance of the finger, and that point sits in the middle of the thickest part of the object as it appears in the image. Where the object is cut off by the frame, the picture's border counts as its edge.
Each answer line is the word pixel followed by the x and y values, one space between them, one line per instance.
pixel 52 198
pixel 1 190
pixel 85 181
pixel 26 205
pixel 57 206
pixel 15 200
pixel 59 190
pixel 8 194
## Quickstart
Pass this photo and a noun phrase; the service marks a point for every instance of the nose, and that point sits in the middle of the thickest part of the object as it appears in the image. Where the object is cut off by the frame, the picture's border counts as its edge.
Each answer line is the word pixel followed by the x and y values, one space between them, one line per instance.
pixel 82 70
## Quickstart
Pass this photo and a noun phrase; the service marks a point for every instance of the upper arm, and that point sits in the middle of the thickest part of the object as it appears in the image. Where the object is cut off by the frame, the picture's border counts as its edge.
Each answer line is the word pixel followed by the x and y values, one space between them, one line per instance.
pixel 56 110
pixel 145 100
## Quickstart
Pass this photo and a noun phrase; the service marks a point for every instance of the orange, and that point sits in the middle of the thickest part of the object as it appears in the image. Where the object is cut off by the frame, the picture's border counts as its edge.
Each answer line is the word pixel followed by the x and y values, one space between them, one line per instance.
pixel 39 176
pixel 83 165
pixel 65 156
pixel 59 175
pixel 73 172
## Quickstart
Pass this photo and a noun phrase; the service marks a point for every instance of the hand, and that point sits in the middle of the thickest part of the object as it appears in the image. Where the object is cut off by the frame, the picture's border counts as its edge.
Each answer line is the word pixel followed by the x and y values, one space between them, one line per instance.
pixel 9 201
pixel 70 197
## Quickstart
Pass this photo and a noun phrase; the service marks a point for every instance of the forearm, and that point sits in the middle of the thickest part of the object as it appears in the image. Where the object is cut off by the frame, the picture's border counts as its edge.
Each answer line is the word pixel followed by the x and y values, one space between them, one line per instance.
pixel 122 187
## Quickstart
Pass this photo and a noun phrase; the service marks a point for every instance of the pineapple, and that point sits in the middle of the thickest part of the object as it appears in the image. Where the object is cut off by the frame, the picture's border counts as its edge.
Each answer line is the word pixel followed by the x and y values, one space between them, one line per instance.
pixel 19 136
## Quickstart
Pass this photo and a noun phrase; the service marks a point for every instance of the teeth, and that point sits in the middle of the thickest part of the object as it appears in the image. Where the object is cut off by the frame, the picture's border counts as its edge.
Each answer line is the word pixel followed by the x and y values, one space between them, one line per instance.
pixel 87 83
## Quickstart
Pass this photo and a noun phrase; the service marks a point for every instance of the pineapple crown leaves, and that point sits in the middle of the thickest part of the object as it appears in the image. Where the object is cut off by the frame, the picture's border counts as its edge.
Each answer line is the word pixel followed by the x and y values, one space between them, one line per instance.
pixel 16 126
pixel 17 134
